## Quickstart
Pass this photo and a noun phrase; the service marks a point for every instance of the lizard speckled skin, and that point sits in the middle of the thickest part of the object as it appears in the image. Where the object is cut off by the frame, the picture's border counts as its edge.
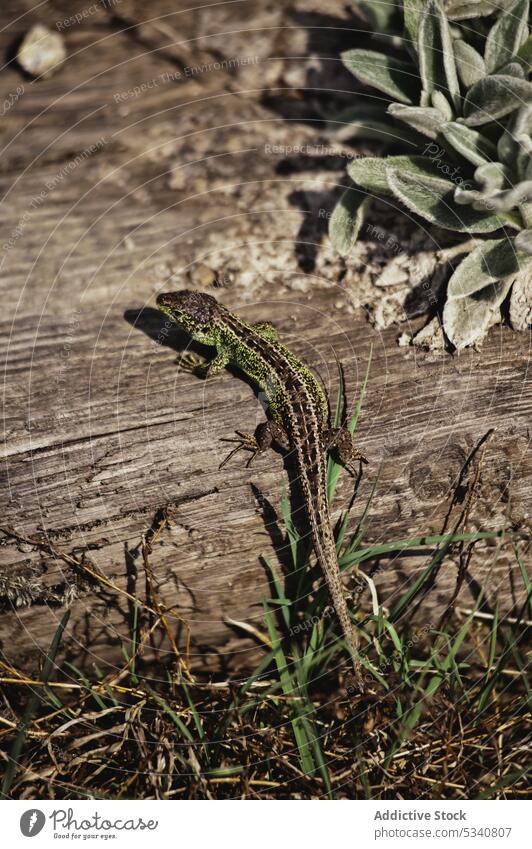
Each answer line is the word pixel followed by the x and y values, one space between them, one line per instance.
pixel 299 416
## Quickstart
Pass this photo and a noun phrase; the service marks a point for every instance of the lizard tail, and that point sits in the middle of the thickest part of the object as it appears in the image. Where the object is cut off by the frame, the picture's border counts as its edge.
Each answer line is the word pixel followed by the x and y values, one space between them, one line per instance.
pixel 325 549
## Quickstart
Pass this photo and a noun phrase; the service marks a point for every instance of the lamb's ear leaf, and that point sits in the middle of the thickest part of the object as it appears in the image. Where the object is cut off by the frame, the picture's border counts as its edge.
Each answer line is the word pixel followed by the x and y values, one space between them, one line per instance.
pixel 523 242
pixel 437 67
pixel 433 199
pixel 397 79
pixel 462 10
pixel 469 143
pixel 466 320
pixel 346 220
pixel 425 119
pixel 491 261
pixel 492 176
pixel 495 96
pixel 513 69
pixel 369 172
pixel 439 101
pixel 412 10
pixel 524 54
pixel 379 15
pixel 469 64
pixel 477 289
pixel 506 36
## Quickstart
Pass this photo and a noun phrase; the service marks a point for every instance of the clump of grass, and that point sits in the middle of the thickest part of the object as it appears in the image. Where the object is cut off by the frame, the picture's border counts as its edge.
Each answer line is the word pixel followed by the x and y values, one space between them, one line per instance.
pixel 444 713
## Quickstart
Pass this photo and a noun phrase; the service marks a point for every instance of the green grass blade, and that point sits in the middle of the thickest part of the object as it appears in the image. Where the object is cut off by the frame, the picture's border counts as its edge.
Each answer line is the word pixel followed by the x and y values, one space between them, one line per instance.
pixel 178 722
pixel 403 545
pixel 356 538
pixel 290 689
pixel 525 577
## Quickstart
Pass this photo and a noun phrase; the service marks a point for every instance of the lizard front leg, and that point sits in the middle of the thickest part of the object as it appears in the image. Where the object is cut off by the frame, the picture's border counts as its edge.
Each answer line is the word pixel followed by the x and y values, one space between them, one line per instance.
pixel 340 443
pixel 266 434
pixel 204 368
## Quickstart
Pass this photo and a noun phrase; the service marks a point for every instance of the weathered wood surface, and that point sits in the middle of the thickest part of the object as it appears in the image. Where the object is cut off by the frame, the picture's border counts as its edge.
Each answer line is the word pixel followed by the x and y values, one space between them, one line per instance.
pixel 101 428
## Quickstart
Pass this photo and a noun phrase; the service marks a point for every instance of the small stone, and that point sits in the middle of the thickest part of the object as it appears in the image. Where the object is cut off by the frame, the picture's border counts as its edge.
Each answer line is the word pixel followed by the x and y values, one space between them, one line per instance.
pixel 41 52
pixel 201 275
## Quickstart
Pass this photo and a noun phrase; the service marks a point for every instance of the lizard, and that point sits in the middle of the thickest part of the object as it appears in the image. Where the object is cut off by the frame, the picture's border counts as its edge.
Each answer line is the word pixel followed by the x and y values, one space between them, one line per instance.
pixel 299 418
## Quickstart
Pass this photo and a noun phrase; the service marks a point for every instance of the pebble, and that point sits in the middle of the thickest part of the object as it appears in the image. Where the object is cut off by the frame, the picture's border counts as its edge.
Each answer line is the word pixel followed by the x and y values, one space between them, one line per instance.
pixel 41 52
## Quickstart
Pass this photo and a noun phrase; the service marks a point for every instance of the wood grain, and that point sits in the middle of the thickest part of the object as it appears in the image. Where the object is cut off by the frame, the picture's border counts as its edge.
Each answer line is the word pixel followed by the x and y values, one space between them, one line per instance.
pixel 102 430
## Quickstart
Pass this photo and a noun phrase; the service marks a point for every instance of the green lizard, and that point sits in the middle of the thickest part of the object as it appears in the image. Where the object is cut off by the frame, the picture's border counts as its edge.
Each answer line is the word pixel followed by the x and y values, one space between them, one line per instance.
pixel 299 417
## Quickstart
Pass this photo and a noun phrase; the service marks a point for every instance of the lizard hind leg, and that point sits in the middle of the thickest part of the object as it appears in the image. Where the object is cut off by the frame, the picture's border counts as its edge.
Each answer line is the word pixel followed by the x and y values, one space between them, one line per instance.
pixel 266 434
pixel 339 441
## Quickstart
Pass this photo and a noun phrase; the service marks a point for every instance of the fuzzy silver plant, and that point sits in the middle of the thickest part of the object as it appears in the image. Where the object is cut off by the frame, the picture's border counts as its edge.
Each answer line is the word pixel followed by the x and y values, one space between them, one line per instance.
pixel 464 100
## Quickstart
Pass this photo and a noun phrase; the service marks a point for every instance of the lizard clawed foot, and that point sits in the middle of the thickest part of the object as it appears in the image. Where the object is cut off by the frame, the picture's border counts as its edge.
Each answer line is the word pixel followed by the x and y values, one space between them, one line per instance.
pixel 246 442
pixel 190 362
pixel 339 441
pixel 352 465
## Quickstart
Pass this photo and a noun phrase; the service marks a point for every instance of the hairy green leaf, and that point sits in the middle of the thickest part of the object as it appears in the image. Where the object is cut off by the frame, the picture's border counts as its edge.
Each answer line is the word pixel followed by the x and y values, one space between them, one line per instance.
pixel 370 172
pixel 523 242
pixel 432 198
pixel 465 320
pixel 425 119
pixel 380 15
pixel 346 220
pixel 508 199
pixel 506 36
pixel 469 64
pixel 395 78
pixel 491 176
pixel 469 143
pixel 436 57
pixel 495 96
pixel 499 201
pixel 524 54
pixel 439 101
pixel 412 10
pixel 461 10
pixel 513 69
pixel 493 260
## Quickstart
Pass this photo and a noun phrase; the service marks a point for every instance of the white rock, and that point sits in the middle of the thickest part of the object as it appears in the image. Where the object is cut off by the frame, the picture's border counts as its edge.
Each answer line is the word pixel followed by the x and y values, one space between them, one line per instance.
pixel 41 52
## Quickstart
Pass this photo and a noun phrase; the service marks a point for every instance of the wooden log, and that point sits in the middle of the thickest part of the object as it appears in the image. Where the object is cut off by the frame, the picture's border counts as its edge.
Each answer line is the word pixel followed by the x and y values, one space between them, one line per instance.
pixel 103 431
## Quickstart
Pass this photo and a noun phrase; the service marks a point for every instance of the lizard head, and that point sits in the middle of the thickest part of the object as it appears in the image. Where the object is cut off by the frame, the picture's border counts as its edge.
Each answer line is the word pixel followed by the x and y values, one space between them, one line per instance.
pixel 193 311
